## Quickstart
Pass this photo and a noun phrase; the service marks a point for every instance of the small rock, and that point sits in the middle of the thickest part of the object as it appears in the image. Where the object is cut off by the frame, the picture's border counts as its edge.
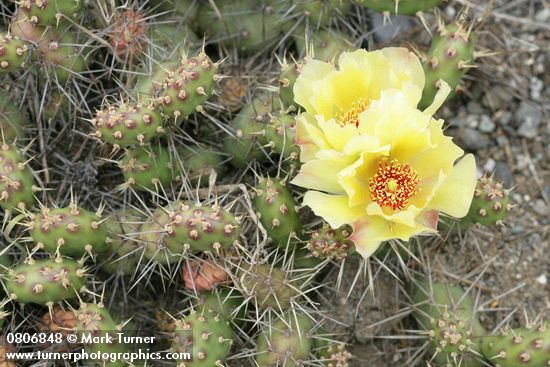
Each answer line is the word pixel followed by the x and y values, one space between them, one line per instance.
pixel 472 139
pixel 489 165
pixel 540 207
pixel 543 15
pixel 475 108
pixel 541 279
pixel 546 192
pixel 528 118
pixel 502 173
pixel 459 122
pixel 397 25
pixel 486 125
pixel 504 118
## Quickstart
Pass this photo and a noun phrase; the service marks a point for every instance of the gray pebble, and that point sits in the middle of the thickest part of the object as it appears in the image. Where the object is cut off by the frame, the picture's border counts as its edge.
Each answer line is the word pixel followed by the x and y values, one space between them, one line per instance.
pixel 528 118
pixel 502 173
pixel 472 139
pixel 505 118
pixel 395 26
pixel 486 125
pixel 475 108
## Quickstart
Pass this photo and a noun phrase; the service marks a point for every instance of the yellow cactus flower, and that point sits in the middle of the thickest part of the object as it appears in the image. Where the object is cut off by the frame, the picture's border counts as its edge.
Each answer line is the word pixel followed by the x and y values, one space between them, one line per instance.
pixel 382 166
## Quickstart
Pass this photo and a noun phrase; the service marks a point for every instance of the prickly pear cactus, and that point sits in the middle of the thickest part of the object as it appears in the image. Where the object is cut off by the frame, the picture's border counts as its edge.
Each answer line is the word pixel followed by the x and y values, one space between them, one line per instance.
pixel 490 205
pixel 247 26
pixel 320 12
pixel 405 7
pixel 249 130
pixel 61 54
pixel 16 180
pixel 149 168
pixel 70 231
pixel 201 228
pixel 449 57
pixel 148 86
pixel 186 89
pixel 281 136
pixel 45 281
pixel 226 303
pixel 206 335
pixel 200 163
pixel 95 319
pixel 322 45
pixel 269 286
pixel 332 244
pixel 287 78
pixel 452 326
pixel 13 53
pixel 128 124
pixel 12 120
pixel 277 211
pixel 153 235
pixel 50 12
pixel 525 347
pixel 285 342
pixel 124 251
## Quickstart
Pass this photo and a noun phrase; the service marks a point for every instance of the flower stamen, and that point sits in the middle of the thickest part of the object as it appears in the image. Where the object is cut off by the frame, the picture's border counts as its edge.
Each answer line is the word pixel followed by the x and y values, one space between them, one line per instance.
pixel 351 116
pixel 393 184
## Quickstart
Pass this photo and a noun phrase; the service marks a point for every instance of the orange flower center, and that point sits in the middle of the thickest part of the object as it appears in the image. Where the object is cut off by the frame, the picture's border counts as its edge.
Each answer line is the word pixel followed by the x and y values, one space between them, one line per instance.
pixel 352 115
pixel 393 184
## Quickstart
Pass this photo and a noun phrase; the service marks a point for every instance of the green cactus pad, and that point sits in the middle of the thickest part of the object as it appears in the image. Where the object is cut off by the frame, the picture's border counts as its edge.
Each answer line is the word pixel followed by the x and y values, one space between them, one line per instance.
pixel 149 86
pixel 269 286
pixel 50 12
pixel 45 281
pixel 320 12
pixel 199 163
pixel 16 180
pixel 12 119
pixel 186 89
pixel 490 205
pixel 61 54
pixel 226 303
pixel 169 39
pixel 249 130
pixel 95 319
pixel 452 50
pixel 287 78
pixel 124 251
pixel 206 335
pixel 277 211
pixel 13 52
pixel 404 7
pixel 149 168
pixel 201 228
pixel 71 231
pixel 281 135
pixel 248 26
pixel 286 342
pixel 128 124
pixel 524 347
pixel 449 318
pixel 323 45
pixel 328 243
pixel 152 236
